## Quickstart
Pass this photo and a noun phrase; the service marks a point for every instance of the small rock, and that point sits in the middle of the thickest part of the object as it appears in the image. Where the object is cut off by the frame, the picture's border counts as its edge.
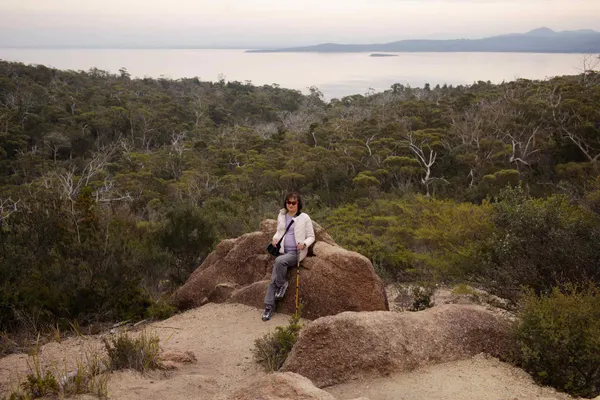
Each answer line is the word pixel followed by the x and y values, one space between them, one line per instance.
pixel 168 366
pixel 183 358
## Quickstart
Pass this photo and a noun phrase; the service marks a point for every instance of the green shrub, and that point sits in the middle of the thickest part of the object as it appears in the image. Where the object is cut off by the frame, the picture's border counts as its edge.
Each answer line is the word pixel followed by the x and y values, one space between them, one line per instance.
pixel 538 243
pixel 463 289
pixel 38 383
pixel 422 297
pixel 482 297
pixel 87 266
pixel 559 335
pixel 160 309
pixel 189 236
pixel 416 238
pixel 492 184
pixel 87 378
pixel 125 352
pixel 272 350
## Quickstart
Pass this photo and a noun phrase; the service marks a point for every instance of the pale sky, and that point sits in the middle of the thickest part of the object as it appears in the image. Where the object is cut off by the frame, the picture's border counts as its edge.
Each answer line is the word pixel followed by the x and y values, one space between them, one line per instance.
pixel 273 23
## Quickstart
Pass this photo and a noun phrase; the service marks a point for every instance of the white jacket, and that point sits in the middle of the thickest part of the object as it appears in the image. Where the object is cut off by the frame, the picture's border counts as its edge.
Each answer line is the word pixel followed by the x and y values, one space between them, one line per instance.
pixel 303 231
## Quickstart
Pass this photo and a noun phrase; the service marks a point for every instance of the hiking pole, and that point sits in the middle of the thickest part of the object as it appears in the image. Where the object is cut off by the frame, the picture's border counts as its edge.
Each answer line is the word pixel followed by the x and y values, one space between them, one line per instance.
pixel 297 286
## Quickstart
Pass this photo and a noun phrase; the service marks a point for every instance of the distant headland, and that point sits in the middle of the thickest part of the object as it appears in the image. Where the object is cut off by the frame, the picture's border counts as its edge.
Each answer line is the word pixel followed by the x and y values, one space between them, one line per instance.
pixel 541 40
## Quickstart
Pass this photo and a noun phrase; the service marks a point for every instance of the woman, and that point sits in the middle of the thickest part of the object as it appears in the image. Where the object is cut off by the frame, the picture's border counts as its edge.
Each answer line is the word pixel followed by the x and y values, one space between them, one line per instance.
pixel 294 247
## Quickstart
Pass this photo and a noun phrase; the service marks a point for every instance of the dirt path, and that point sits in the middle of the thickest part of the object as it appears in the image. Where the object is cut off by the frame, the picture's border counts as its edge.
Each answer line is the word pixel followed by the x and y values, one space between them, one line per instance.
pixel 221 337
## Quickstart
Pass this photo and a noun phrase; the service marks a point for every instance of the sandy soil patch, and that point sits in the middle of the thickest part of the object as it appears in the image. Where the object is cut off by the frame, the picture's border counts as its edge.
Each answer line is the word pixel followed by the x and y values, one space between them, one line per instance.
pixel 221 337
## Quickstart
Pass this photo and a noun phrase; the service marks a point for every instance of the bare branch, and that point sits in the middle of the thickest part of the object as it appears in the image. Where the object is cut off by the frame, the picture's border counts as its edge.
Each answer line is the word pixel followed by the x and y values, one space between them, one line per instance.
pixel 178 143
pixel 369 141
pixel 7 207
pixel 106 194
pixel 521 151
pixel 426 160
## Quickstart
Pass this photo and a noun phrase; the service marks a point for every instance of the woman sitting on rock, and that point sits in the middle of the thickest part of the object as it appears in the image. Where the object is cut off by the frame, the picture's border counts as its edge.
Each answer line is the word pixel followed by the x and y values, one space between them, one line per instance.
pixel 294 247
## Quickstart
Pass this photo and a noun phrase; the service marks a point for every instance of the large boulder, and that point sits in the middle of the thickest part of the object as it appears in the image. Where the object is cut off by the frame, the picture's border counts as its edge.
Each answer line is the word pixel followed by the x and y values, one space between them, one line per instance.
pixel 283 386
pixel 351 345
pixel 332 279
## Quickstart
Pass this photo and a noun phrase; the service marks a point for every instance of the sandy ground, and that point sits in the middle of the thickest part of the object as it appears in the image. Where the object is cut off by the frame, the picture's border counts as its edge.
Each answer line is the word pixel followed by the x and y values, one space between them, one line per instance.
pixel 481 378
pixel 221 337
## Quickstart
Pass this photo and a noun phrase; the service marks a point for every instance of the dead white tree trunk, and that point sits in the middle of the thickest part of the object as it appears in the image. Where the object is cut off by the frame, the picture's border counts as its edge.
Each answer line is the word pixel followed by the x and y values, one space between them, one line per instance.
pixel 523 147
pixel 426 157
pixel 7 207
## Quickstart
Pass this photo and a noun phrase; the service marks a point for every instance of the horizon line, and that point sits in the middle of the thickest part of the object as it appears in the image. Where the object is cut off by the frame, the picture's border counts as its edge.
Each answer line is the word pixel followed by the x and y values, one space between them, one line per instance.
pixel 257 47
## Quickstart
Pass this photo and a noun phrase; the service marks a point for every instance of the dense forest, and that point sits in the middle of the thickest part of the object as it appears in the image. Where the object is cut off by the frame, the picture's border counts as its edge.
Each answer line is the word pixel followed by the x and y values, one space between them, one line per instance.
pixel 114 189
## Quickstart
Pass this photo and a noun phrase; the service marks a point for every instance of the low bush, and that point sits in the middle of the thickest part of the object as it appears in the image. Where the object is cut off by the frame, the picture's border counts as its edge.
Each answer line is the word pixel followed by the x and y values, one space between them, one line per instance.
pixel 160 310
pixel 272 350
pixel 463 289
pixel 189 236
pixel 538 243
pixel 478 296
pixel 125 352
pixel 414 238
pixel 422 297
pixel 87 378
pixel 40 382
pixel 559 336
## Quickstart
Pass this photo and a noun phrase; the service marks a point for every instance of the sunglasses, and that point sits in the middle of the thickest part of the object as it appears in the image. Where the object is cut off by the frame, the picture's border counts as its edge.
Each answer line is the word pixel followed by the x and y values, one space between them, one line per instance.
pixel 292 203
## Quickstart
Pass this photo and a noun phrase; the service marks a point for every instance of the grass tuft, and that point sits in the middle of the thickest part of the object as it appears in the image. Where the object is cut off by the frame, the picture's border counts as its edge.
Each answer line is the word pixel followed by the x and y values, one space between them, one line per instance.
pixel 272 350
pixel 125 352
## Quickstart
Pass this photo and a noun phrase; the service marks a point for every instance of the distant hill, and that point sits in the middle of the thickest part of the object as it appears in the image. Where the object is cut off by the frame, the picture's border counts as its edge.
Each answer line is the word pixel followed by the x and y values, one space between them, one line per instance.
pixel 541 40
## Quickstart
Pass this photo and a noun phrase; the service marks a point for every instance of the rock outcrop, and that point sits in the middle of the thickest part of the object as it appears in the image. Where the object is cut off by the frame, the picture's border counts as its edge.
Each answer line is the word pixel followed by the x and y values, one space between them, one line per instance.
pixel 280 386
pixel 351 345
pixel 283 386
pixel 332 279
pixel 401 296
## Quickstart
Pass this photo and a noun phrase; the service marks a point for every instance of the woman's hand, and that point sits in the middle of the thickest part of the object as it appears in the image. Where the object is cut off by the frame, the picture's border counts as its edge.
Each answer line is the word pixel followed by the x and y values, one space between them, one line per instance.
pixel 301 246
pixel 274 242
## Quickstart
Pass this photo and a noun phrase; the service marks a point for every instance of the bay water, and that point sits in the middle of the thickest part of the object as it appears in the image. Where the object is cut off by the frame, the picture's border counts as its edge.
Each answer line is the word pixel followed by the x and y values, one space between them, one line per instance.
pixel 335 74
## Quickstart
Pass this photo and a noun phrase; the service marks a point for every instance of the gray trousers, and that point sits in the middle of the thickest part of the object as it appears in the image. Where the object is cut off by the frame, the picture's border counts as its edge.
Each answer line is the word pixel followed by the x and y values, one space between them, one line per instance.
pixel 279 275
